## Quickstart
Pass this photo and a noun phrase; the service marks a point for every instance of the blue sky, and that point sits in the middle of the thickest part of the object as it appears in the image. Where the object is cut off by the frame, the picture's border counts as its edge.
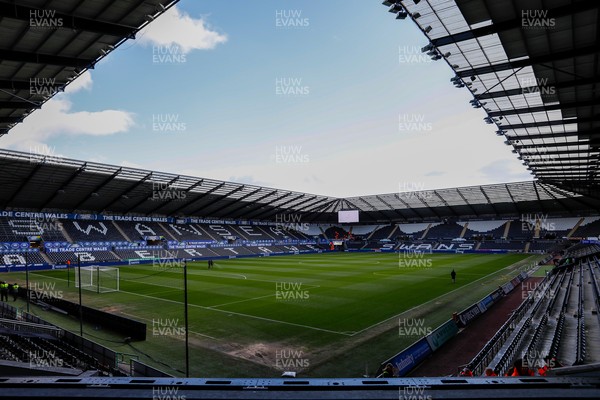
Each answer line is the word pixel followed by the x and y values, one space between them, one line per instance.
pixel 328 97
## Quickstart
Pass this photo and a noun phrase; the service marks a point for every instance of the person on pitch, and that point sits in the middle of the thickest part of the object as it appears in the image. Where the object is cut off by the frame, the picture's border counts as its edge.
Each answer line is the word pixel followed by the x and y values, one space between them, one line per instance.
pixel 453 275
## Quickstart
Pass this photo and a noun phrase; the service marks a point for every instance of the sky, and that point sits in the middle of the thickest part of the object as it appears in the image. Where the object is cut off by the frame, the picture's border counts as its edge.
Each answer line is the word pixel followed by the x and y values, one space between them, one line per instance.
pixel 327 97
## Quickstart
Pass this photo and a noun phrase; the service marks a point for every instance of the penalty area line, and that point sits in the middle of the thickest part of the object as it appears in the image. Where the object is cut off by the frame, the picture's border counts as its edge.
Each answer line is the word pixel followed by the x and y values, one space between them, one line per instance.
pixel 241 314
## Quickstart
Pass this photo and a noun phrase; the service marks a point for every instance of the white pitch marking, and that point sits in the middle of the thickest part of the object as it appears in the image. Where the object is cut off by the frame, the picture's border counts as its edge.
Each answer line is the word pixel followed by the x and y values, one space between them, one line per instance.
pixel 225 312
pixel 422 304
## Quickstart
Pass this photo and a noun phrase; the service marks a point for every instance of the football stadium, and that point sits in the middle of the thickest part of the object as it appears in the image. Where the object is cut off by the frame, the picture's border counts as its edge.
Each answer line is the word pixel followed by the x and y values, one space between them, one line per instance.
pixel 427 225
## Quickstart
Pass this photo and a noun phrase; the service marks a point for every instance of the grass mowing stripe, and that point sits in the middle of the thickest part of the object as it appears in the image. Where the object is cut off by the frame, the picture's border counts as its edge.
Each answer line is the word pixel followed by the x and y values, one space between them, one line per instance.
pixel 224 311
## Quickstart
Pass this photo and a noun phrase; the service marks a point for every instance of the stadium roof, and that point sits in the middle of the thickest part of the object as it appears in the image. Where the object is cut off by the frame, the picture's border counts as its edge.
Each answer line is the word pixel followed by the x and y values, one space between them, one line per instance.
pixel 44 183
pixel 532 65
pixel 45 45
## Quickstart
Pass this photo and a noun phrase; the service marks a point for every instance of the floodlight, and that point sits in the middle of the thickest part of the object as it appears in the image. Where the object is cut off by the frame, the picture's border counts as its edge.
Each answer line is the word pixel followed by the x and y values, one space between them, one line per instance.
pixel 395 8
pixel 402 15
pixel 428 29
pixel 427 48
pixel 389 2
pixel 416 15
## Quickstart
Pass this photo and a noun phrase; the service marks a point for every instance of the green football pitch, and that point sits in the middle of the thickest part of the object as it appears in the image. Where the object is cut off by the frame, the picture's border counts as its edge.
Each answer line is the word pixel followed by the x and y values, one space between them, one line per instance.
pixel 259 316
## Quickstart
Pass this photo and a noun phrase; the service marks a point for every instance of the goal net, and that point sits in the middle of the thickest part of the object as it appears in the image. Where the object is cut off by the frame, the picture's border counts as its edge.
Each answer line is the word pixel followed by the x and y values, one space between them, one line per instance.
pixel 98 279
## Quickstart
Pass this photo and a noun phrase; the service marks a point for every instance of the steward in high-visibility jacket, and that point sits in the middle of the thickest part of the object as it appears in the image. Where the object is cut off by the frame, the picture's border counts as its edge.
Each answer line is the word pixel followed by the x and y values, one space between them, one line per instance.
pixel 15 293
pixel 3 291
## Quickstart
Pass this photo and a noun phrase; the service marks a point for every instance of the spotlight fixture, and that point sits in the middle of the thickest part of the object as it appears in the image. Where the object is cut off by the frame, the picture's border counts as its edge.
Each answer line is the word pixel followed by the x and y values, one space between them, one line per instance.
pixel 389 3
pixel 448 54
pixel 427 48
pixel 402 15
pixel 416 15
pixel 428 29
pixel 396 8
pixel 416 1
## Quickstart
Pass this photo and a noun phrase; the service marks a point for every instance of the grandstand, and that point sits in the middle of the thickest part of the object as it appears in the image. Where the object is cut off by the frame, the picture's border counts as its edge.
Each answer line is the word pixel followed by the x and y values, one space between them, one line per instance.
pixel 273 281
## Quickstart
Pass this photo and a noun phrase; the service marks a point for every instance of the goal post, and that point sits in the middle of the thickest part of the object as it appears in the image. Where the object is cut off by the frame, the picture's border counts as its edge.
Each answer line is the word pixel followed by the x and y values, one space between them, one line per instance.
pixel 98 279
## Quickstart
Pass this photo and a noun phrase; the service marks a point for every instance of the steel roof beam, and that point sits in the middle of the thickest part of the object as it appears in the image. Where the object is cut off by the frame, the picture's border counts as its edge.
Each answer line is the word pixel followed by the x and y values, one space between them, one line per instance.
pixel 99 187
pixel 11 120
pixel 274 209
pixel 23 184
pixel 37 58
pixel 516 23
pixel 64 185
pixel 549 107
pixel 145 198
pixel 595 118
pixel 237 200
pixel 200 197
pixel 255 201
pixel 546 58
pixel 527 136
pixel 530 89
pixel 20 104
pixel 67 21
pixel 130 189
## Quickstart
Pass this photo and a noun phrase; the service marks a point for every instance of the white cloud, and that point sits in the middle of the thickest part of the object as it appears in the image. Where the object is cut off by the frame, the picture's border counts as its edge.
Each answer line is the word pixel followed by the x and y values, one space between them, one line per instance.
pixel 176 27
pixel 84 81
pixel 56 119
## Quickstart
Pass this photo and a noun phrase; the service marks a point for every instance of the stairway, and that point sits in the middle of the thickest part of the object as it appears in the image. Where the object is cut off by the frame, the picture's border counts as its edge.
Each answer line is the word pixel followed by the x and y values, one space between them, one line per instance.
pixel 121 231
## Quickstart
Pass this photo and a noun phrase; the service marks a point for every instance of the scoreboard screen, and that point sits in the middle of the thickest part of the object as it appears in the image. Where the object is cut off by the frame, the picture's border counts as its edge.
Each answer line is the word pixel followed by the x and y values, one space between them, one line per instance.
pixel 347 216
